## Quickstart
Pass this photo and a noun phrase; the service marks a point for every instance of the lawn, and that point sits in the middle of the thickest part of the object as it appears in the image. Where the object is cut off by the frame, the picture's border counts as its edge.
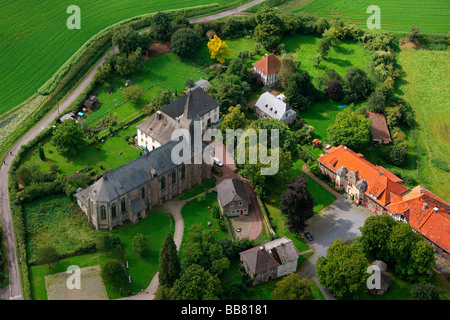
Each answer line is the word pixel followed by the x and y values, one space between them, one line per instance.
pixel 426 86
pixel 431 16
pixel 142 269
pixel 320 195
pixel 205 186
pixel 196 212
pixel 236 46
pixel 104 154
pixel 347 54
pixel 58 222
pixel 36 40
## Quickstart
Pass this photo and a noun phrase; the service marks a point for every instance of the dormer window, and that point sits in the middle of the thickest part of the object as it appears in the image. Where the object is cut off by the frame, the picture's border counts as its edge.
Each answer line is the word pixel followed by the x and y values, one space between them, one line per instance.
pixel 267 105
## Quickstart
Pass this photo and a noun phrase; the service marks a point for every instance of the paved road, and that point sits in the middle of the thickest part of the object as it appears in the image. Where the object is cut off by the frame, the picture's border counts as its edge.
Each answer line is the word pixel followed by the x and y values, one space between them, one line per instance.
pixel 339 220
pixel 15 286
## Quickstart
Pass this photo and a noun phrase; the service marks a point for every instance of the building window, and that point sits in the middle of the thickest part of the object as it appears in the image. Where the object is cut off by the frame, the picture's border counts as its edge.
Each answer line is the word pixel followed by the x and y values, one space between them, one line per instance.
pixel 163 183
pixel 143 193
pixel 113 211
pixel 103 212
pixel 240 203
pixel 183 171
pixel 231 204
pixel 123 206
pixel 174 176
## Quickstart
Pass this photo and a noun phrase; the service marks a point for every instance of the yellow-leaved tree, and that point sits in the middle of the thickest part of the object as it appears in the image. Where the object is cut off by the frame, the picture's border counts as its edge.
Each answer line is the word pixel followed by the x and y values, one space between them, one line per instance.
pixel 218 49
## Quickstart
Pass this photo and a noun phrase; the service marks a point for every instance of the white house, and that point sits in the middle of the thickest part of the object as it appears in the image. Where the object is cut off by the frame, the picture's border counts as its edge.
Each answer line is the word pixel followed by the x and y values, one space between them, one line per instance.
pixel 270 106
pixel 268 68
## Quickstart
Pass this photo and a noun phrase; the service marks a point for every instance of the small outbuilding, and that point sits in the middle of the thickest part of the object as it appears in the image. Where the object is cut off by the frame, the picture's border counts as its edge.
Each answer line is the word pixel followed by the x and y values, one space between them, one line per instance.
pixel 90 103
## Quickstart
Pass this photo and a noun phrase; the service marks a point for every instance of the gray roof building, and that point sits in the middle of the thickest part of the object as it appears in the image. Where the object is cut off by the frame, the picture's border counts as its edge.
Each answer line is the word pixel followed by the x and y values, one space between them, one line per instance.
pixel 231 190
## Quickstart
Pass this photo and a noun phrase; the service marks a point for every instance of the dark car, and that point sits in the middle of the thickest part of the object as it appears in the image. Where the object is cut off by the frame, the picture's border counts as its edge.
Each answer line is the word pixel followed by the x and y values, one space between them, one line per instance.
pixel 308 235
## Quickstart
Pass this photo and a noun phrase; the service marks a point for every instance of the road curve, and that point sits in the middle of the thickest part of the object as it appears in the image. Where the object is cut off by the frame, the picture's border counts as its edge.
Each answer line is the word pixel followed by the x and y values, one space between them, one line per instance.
pixel 14 290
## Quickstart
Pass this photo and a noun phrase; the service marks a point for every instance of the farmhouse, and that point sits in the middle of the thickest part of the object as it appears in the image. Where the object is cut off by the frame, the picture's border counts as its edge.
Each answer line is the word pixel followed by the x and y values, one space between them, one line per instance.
pixel 271 106
pixel 126 193
pixel 195 105
pixel 383 193
pixel 232 197
pixel 268 68
pixel 380 131
pixel 272 260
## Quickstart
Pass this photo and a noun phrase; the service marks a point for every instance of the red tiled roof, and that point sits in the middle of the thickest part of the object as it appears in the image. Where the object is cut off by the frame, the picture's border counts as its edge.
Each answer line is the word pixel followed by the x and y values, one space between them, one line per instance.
pixel 380 130
pixel 380 183
pixel 269 64
pixel 420 204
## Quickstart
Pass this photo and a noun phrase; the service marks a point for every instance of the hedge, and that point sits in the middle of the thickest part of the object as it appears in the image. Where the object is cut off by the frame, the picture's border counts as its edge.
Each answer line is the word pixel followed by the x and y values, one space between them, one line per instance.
pixel 266 217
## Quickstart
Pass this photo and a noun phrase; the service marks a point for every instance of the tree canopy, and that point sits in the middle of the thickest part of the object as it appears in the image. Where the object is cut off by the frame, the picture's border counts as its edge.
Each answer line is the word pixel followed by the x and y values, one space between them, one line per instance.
pixel 68 138
pixel 350 129
pixel 169 263
pixel 292 287
pixel 185 42
pixel 218 49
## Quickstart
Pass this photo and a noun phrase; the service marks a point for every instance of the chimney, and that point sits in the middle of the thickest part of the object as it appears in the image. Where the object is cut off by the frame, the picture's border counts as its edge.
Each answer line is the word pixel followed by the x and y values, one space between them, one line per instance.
pixel 425 205
pixel 158 115
pixel 421 190
pixel 345 148
pixel 435 209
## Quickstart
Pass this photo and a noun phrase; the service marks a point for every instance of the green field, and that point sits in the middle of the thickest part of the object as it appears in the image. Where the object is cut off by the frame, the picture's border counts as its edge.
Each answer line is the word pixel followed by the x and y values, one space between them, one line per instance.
pixel 52 221
pixel 432 16
pixel 426 86
pixel 345 55
pixel 35 40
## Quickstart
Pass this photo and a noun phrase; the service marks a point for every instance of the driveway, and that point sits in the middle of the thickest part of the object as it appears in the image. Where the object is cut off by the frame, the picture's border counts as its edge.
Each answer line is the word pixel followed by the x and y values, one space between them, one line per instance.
pixel 340 220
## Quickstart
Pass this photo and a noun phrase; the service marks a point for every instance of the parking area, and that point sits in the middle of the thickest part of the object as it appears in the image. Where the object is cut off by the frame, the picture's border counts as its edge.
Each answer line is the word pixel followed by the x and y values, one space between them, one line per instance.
pixel 340 220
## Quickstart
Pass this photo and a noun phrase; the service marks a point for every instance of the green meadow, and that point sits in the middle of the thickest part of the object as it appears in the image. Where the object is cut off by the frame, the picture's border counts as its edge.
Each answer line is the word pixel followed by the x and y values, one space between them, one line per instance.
pixel 431 16
pixel 35 40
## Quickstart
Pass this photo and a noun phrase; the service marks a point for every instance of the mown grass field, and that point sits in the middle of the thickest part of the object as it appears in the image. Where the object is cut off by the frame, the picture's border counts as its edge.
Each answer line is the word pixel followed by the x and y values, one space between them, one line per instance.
pixel 432 16
pixel 35 40
pixel 426 86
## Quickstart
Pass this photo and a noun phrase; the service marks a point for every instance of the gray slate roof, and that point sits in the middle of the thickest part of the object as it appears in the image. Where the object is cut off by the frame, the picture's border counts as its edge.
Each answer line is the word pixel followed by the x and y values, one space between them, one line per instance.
pixel 258 260
pixel 231 190
pixel 134 173
pixel 199 103
pixel 202 83
pixel 137 205
pixel 284 248
pixel 159 130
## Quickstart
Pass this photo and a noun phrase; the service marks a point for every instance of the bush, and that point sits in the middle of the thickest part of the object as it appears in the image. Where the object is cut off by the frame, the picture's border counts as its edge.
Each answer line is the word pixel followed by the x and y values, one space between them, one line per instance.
pixel 425 291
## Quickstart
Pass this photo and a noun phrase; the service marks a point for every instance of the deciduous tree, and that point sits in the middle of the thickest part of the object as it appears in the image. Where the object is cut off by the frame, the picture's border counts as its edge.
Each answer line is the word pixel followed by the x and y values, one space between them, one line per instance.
pixel 218 49
pixel 292 287
pixel 68 138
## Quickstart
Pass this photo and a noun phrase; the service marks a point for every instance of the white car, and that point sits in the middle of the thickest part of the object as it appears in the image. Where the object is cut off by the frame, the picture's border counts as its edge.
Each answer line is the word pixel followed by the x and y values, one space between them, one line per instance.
pixel 218 162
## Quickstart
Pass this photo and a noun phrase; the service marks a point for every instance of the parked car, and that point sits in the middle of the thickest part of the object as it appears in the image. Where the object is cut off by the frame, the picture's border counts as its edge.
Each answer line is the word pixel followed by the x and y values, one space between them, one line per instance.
pixel 218 162
pixel 308 235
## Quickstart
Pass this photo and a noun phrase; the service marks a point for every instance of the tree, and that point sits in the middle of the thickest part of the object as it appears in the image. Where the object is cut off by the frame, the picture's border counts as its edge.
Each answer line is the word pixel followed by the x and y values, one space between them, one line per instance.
pixel 288 67
pixel 425 291
pixel 375 234
pixel 218 49
pixel 377 102
pixel 196 283
pixel 23 175
pixel 297 204
pixel 357 85
pixel 324 79
pixel 334 90
pixel 140 243
pixel 68 138
pixel 324 47
pixel 269 28
pixel 343 271
pixel 322 24
pixel 103 72
pixel 166 293
pixel 128 40
pixel 396 154
pixel 160 26
pixel 134 94
pixel 47 255
pixel 238 68
pixel 169 263
pixel 229 91
pixel 41 152
pixel 185 42
pixel 350 129
pixel 393 116
pixel 292 287
pixel 300 92
pixel 234 119
pixel 421 260
pixel 162 99
pixel 317 59
pixel 114 273
pixel 105 243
